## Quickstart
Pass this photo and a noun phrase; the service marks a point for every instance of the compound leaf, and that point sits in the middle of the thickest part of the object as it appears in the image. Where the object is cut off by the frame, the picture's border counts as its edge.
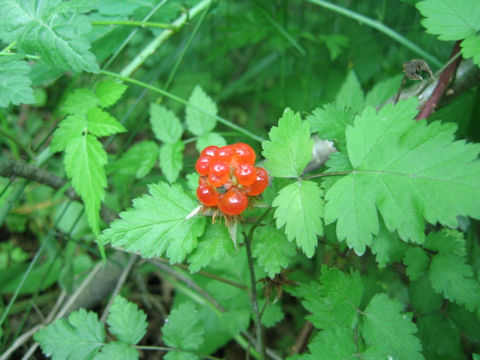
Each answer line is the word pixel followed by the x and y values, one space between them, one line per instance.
pixel 200 122
pixel 471 48
pixel 126 321
pixel 416 260
pixel 80 101
pixel 183 328
pixel 117 350
pixel 210 139
pixel 171 160
pixel 165 124
pixel 108 92
pixel 101 123
pixel 15 86
pixel 332 344
pixel 330 122
pixel 137 161
pixel 70 127
pixel 351 93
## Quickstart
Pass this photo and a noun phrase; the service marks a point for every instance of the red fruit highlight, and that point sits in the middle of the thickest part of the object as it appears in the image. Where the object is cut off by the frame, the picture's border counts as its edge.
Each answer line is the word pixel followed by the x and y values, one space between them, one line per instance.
pixel 260 183
pixel 207 195
pixel 233 202
pixel 246 174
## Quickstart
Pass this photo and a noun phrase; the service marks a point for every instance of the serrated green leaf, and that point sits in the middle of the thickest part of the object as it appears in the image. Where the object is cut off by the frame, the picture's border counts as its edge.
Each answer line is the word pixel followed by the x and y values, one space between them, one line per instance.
pixel 423 298
pixel 387 247
pixel 192 181
pixel 183 328
pixel 334 302
pixel 335 343
pixel 213 246
pixel 330 122
pixel 272 250
pixel 450 19
pixel 84 163
pixel 180 355
pixel 395 173
pixel 157 224
pixel 78 338
pixel 80 101
pixel 351 93
pixel 126 321
pixel 383 90
pixel 452 277
pixel 101 123
pixel 16 86
pixel 471 48
pixel 70 127
pixel 446 241
pixel 290 148
pixel 272 314
pixel 299 207
pixel 165 124
pixel 210 139
pixel 55 32
pixel 416 260
pixel 200 122
pixel 171 160
pixel 116 351
pixel 388 332
pixel 109 92
pixel 138 161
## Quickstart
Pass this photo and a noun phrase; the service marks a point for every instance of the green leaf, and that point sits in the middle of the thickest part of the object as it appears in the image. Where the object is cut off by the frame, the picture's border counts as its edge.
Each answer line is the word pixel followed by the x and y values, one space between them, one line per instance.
pixel 351 93
pixel 332 344
pixel 450 19
pixel 171 160
pixel 101 123
pixel 80 101
pixel 290 147
pixel 84 164
pixel 109 92
pixel 77 338
pixel 272 314
pixel 272 250
pixel 446 241
pixel 157 224
pixel 55 32
pixel 299 207
pixel 70 127
pixel 387 247
pixel 395 174
pixel 452 277
pixel 165 124
pixel 330 122
pixel 138 161
pixel 388 332
pixel 126 322
pixel 116 351
pixel 335 301
pixel 471 48
pixel 183 328
pixel 210 139
pixel 16 86
pixel 180 355
pixel 213 246
pixel 383 90
pixel 416 260
pixel 423 298
pixel 200 122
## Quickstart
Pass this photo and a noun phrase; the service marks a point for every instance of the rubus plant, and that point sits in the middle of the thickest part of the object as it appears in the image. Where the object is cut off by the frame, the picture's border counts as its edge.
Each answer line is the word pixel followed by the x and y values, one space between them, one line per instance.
pixel 351 194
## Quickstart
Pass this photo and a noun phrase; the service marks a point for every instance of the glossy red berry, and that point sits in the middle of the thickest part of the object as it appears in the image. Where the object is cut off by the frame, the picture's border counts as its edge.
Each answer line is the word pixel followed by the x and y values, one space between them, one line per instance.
pixel 260 183
pixel 203 165
pixel 246 174
pixel 233 202
pixel 225 153
pixel 207 195
pixel 244 154
pixel 217 181
pixel 209 151
pixel 219 168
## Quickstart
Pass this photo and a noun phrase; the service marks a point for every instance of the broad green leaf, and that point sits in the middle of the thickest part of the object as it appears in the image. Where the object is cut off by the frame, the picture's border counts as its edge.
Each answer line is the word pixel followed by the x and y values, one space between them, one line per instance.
pixel 416 260
pixel 126 322
pixel 450 19
pixel 335 301
pixel 446 241
pixel 213 246
pixel 388 332
pixel 336 343
pixel 395 174
pixel 383 90
pixel 180 355
pixel 117 351
pixel 183 328
pixel 165 124
pixel 272 314
pixel 471 48
pixel 101 123
pixel 80 101
pixel 77 338
pixel 137 161
pixel 200 122
pixel 16 86
pixel 156 224
pixel 109 92
pixel 330 122
pixel 55 32
pixel 272 250
pixel 210 139
pixel 440 337
pixel 452 277
pixel 299 207
pixel 290 148
pixel 351 93
pixel 423 298
pixel 70 127
pixel 387 247
pixel 84 164
pixel 171 160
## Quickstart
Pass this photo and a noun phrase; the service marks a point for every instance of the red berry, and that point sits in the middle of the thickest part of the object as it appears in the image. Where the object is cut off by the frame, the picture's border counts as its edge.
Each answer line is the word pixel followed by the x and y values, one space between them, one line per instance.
pixel 207 195
pixel 209 151
pixel 203 165
pixel 260 183
pixel 233 202
pixel 246 174
pixel 244 154
pixel 219 168
pixel 217 181
pixel 225 153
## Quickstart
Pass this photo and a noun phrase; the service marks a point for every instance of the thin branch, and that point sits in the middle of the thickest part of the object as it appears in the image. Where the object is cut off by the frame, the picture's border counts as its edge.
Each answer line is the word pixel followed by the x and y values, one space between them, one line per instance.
pixel 143 24
pixel 302 338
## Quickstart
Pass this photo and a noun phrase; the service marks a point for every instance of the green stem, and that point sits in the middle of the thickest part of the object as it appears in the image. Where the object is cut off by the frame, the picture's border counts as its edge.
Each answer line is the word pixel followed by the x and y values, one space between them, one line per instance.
pixel 182 101
pixel 134 23
pixel 380 27
pixel 7 49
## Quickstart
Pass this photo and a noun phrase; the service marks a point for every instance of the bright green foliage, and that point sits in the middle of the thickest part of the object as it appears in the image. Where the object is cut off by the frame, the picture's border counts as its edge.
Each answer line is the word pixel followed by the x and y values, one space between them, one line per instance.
pixel 109 92
pixel 299 207
pixel 165 124
pixel 200 116
pixel 71 126
pixel 351 93
pixel 77 338
pixel 138 161
pixel 332 344
pixel 395 174
pixel 272 250
pixel 446 241
pixel 330 122
pixel 15 86
pixel 116 351
pixel 171 159
pixel 387 247
pixel 471 48
pixel 126 322
pixel 157 224
pixel 80 101
pixel 100 123
pixel 210 139
pixel 272 314
pixel 450 19
pixel 55 32
pixel 383 90
pixel 213 246
pixel 416 260
pixel 290 147
pixel 335 301
pixel 387 332
pixel 183 328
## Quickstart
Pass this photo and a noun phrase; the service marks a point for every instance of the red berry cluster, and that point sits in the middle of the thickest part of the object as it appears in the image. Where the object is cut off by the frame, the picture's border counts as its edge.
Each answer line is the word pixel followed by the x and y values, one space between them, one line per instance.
pixel 228 176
